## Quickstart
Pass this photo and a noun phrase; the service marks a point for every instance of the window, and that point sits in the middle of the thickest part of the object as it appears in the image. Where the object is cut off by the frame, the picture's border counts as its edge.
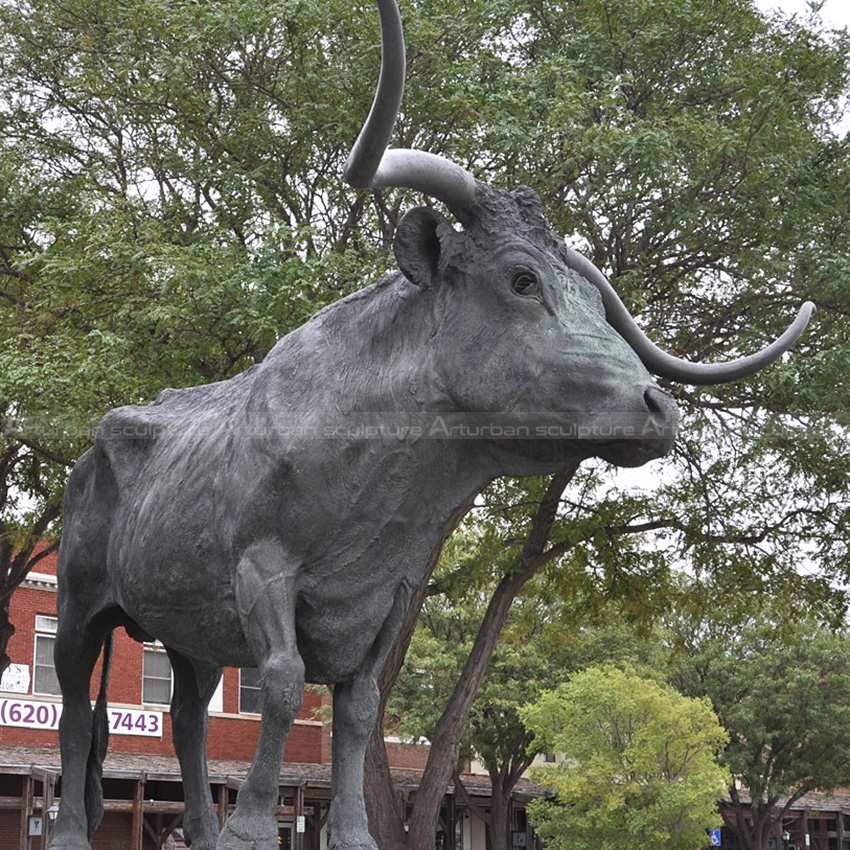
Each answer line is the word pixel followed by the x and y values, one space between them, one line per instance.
pixel 249 690
pixel 44 680
pixel 156 675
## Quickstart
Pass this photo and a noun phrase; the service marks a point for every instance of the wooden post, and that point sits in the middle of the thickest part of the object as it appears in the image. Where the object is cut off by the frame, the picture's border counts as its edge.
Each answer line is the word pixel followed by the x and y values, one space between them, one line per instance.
pixel 222 805
pixel 136 829
pixel 298 844
pixel 26 811
pixel 48 790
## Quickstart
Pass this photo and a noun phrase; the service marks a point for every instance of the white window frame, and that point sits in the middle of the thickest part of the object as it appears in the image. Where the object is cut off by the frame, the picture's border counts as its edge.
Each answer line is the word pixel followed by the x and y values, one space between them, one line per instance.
pixel 256 688
pixel 157 648
pixel 46 626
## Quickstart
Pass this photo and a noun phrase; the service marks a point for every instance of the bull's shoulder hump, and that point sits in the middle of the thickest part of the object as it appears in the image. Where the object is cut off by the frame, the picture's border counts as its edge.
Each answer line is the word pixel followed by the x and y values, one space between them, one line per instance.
pixel 127 435
pixel 173 406
pixel 218 395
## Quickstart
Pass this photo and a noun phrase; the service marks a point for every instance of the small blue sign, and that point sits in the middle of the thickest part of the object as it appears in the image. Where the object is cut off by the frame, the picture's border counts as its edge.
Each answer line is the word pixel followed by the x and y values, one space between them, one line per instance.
pixel 714 837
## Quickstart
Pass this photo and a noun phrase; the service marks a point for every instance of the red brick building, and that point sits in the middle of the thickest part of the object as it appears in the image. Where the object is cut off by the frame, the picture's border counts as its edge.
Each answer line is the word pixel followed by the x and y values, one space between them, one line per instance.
pixel 142 786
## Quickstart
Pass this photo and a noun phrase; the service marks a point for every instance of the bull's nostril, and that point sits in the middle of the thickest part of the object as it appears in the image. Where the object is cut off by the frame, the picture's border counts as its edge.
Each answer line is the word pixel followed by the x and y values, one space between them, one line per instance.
pixel 651 399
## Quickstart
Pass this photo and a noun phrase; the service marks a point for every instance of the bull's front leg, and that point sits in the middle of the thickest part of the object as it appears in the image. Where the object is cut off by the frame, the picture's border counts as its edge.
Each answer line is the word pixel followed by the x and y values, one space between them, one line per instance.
pixel 355 712
pixel 355 706
pixel 265 593
pixel 194 685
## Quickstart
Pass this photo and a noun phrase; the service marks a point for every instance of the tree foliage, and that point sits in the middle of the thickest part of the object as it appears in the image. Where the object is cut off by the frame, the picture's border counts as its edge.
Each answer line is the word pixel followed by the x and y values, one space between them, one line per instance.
pixel 539 646
pixel 689 148
pixel 492 732
pixel 641 763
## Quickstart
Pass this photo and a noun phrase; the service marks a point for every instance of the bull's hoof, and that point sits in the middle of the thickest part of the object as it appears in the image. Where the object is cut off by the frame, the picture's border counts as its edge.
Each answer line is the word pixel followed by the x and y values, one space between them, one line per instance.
pixel 69 844
pixel 248 834
pixel 371 846
pixel 353 842
pixel 201 833
pixel 68 839
pixel 360 846
pixel 205 843
pixel 349 830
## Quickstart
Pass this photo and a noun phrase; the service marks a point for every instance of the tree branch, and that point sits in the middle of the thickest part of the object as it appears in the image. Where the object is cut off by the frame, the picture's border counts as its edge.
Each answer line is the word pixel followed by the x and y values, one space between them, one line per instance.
pixel 13 434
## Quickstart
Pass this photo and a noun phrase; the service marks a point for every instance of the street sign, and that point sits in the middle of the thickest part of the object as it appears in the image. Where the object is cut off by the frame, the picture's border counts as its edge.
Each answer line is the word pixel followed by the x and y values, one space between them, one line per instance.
pixel 714 837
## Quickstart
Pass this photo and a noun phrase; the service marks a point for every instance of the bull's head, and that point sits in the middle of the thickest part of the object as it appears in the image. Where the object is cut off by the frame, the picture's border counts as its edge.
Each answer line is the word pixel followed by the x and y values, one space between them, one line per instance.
pixel 506 241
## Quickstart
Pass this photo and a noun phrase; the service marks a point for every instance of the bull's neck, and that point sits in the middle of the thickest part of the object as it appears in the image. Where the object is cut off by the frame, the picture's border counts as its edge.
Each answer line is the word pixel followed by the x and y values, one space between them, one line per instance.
pixel 362 371
pixel 370 352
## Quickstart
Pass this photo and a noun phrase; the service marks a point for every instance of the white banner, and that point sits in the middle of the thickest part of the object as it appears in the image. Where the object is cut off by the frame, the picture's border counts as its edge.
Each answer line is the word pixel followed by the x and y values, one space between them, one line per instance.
pixel 37 714
pixel 16 679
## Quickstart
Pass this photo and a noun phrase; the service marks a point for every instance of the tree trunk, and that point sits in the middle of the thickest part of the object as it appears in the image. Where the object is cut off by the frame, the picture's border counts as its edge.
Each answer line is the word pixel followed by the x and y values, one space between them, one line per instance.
pixel 6 632
pixel 14 566
pixel 755 834
pixel 383 805
pixel 382 802
pixel 503 779
pixel 500 812
pixel 445 744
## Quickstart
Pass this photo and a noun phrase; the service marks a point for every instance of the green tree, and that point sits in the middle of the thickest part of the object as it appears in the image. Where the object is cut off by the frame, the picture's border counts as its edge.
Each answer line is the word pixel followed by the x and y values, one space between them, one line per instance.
pixel 492 733
pixel 660 145
pixel 677 153
pixel 781 688
pixel 540 645
pixel 641 764
pixel 573 556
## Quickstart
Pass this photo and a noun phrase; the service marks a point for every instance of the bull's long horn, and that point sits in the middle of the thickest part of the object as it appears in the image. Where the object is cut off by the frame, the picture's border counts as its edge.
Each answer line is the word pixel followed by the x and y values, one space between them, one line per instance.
pixel 370 165
pixel 665 365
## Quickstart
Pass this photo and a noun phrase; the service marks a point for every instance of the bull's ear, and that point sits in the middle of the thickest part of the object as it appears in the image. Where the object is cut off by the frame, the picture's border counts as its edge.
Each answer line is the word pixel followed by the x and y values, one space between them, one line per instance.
pixel 417 245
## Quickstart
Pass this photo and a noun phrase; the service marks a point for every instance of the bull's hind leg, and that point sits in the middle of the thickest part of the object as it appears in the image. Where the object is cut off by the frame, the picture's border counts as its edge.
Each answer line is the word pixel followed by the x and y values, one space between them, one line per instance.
pixel 265 593
pixel 76 651
pixel 194 685
pixel 355 708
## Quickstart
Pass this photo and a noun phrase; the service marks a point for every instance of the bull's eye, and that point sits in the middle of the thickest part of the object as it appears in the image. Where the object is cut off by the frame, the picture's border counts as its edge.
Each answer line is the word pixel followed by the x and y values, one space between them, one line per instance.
pixel 525 283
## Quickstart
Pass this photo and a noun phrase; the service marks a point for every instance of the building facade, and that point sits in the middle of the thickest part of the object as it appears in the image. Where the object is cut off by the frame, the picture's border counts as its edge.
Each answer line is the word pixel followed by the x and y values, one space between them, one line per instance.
pixel 142 786
pixel 814 822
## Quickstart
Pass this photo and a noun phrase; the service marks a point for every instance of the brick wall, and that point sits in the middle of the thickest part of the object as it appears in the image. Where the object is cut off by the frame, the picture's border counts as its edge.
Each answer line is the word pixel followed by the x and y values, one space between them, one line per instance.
pixel 409 756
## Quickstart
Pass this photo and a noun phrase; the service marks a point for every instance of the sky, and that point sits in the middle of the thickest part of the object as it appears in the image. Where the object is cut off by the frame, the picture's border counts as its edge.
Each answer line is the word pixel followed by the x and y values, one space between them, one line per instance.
pixel 835 13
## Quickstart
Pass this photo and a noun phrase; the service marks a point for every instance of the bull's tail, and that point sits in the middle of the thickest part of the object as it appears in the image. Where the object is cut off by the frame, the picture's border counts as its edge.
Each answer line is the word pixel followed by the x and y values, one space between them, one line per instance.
pixel 99 743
